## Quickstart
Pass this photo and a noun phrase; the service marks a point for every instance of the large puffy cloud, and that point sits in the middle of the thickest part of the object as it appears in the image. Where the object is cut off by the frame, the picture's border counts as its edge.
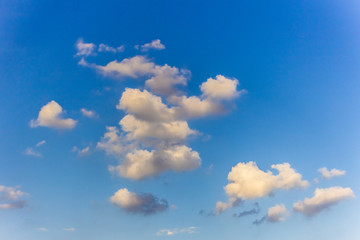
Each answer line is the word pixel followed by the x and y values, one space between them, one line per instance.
pixel 145 106
pixel 145 204
pixel 332 173
pixel 142 163
pixel 323 199
pixel 247 181
pixel 141 130
pixel 50 116
pixel 155 44
pixel 277 213
pixel 11 198
pixel 220 88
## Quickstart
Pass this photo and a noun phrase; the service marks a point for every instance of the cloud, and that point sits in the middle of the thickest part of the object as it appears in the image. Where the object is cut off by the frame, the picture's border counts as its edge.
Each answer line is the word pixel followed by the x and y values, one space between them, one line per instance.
pixel 259 221
pixel 221 88
pixel 247 181
pixel 277 213
pixel 145 204
pixel 170 232
pixel 40 143
pixel 223 206
pixel 88 113
pixel 42 229
pixel 155 44
pixel 50 116
pixel 323 199
pixel 11 198
pixel 332 173
pixel 71 229
pixel 84 49
pixel 107 48
pixel 143 164
pixel 254 210
pixel 31 152
pixel 81 152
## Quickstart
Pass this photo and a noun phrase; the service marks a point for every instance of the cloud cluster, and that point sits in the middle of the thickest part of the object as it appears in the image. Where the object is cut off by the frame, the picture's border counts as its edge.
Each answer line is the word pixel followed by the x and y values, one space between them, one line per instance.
pixel 11 198
pixel 50 116
pixel 145 204
pixel 332 173
pixel 170 232
pixel 277 213
pixel 88 49
pixel 323 199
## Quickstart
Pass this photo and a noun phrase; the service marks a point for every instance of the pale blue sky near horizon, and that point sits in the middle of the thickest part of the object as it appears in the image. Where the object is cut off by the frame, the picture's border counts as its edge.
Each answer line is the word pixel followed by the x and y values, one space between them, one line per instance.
pixel 298 62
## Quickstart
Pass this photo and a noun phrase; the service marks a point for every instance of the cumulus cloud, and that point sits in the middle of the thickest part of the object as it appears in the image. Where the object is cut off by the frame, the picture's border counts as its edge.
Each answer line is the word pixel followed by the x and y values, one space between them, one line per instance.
pixel 145 204
pixel 11 198
pixel 106 48
pixel 221 88
pixel 142 163
pixel 277 213
pixel 170 232
pixel 85 49
pixel 332 173
pixel 247 181
pixel 323 199
pixel 88 113
pixel 50 116
pixel 155 44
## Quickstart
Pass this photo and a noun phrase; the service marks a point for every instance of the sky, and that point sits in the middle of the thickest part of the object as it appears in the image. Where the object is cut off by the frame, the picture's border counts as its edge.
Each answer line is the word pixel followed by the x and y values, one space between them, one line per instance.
pixel 129 120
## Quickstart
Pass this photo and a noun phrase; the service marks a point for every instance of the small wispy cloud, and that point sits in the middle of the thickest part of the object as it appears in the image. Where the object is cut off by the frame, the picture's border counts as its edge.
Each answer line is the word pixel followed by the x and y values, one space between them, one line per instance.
pixel 155 44
pixel 31 152
pixel 71 229
pixel 88 113
pixel 81 152
pixel 42 229
pixel 170 232
pixel 331 173
pixel 40 143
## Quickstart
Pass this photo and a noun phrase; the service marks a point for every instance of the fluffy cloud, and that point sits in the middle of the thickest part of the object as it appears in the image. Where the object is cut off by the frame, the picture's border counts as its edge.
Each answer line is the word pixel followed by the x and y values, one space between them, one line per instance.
pixel 84 49
pixel 247 181
pixel 323 198
pixel 113 143
pixel 50 116
pixel 107 48
pixel 220 88
pixel 332 173
pixel 11 198
pixel 88 113
pixel 131 202
pixel 170 232
pixel 155 44
pixel 277 213
pixel 142 163
pixel 140 130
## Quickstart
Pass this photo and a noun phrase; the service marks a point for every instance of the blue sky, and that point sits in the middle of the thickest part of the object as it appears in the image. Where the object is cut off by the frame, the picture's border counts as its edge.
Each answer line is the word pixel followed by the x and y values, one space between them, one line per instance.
pixel 179 120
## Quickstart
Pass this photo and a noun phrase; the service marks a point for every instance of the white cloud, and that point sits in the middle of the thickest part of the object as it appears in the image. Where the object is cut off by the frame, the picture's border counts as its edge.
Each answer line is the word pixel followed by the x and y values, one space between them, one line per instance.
pixel 332 173
pixel 247 181
pixel 155 44
pixel 143 164
pixel 42 229
pixel 170 232
pixel 31 152
pixel 221 88
pixel 131 202
pixel 145 106
pixel 323 199
pixel 142 130
pixel 88 113
pixel 71 229
pixel 81 152
pixel 11 198
pixel 50 116
pixel 277 213
pixel 107 48
pixel 40 143
pixel 85 49
pixel 194 107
